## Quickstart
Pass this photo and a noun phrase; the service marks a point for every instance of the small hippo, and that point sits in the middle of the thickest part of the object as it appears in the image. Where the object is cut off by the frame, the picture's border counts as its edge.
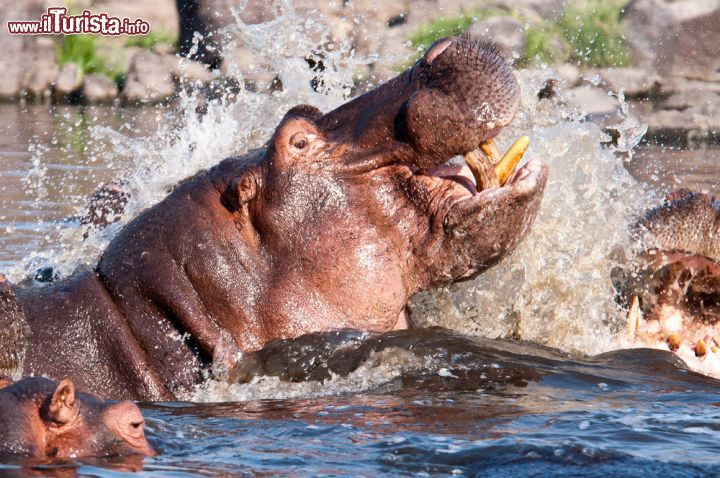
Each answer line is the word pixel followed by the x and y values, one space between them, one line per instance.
pixel 46 419
pixel 673 292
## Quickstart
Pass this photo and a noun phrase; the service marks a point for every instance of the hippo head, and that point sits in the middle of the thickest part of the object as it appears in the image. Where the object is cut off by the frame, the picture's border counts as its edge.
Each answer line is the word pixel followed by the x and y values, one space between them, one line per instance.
pixel 673 290
pixel 43 418
pixel 364 199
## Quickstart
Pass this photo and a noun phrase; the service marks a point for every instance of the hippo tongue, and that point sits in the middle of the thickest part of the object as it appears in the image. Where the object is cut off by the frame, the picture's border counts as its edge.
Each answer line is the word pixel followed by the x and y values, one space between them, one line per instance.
pixel 489 169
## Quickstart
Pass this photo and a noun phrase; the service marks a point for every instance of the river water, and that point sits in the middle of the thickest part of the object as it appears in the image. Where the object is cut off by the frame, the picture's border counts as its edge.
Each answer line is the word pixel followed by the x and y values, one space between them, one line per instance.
pixel 467 402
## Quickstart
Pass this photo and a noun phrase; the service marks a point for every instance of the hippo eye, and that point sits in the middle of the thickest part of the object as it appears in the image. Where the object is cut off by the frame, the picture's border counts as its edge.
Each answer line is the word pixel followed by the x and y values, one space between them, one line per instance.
pixel 298 142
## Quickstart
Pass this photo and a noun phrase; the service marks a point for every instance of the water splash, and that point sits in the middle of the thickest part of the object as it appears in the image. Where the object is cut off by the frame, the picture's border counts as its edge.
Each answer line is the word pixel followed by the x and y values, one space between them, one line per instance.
pixel 555 289
pixel 195 133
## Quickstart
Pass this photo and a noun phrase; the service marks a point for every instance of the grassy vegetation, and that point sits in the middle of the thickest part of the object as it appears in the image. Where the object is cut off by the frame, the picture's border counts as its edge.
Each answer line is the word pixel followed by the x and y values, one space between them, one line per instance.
pixel 542 48
pixel 432 31
pixel 151 39
pixel 83 50
pixel 594 30
pixel 588 33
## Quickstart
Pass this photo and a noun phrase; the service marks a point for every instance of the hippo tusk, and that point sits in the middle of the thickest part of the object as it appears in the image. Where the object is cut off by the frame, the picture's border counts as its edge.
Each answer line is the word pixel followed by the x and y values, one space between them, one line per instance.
pixel 634 318
pixel 481 162
pixel 509 162
pixel 490 148
pixel 700 348
pixel 482 171
pixel 674 341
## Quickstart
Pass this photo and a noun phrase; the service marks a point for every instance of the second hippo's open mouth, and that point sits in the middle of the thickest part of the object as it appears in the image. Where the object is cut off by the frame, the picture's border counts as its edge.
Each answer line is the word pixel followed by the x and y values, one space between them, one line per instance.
pixel 685 318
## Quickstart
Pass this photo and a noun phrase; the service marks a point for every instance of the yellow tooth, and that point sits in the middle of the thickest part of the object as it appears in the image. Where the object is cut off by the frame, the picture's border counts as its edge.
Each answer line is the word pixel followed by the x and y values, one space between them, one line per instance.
pixel 674 341
pixel 634 318
pixel 507 164
pixel 482 171
pixel 700 348
pixel 490 148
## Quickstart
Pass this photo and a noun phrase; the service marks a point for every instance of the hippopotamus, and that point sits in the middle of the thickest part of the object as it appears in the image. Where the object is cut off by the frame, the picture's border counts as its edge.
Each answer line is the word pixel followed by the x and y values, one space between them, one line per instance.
pixel 46 419
pixel 335 223
pixel 673 288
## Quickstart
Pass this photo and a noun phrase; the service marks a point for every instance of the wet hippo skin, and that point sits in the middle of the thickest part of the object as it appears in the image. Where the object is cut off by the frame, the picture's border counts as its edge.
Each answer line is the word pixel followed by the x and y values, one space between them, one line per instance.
pixel 334 224
pixel 673 284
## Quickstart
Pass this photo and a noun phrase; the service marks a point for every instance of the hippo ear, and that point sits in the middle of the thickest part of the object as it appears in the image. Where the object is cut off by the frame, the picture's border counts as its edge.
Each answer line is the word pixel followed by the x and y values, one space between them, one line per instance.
pixel 63 406
pixel 240 191
pixel 303 111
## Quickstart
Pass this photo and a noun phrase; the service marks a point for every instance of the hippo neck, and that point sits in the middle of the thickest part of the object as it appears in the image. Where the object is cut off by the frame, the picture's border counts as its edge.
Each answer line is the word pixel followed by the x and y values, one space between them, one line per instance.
pixel 77 331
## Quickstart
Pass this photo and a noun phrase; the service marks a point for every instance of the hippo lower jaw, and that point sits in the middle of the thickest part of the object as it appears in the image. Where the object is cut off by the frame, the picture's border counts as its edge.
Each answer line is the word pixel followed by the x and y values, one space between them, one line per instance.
pixel 473 221
pixel 463 191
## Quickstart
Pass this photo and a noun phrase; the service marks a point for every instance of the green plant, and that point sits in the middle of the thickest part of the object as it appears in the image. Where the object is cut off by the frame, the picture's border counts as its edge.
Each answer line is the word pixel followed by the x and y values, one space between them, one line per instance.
pixel 589 33
pixel 432 31
pixel 151 39
pixel 83 50
pixel 594 30
pixel 540 48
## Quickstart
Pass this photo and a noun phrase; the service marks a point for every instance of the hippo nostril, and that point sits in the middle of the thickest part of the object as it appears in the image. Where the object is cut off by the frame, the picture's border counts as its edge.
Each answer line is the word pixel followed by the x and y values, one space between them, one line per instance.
pixel 436 49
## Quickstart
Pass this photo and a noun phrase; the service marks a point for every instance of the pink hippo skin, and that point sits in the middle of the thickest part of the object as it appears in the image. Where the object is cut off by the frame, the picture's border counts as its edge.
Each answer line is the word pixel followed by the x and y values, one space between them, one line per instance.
pixel 335 223
pixel 45 419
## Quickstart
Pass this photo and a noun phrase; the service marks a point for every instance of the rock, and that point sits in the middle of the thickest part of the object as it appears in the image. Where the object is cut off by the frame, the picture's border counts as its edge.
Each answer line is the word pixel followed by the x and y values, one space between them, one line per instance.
pixel 505 31
pixel 568 74
pixel 186 71
pixel 160 14
pixel 18 51
pixel 635 82
pixel 98 89
pixel 390 14
pixel 148 79
pixel 545 9
pixel 42 73
pixel 678 85
pixel 68 81
pixel 683 100
pixel 593 102
pixel 682 128
pixel 676 37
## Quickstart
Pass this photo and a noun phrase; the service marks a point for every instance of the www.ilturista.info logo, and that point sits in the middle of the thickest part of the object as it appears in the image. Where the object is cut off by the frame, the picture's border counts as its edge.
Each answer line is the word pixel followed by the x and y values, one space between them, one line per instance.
pixel 57 22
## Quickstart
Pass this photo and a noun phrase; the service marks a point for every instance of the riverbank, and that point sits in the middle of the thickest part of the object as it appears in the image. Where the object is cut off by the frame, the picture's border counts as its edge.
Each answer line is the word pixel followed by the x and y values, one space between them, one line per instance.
pixel 661 55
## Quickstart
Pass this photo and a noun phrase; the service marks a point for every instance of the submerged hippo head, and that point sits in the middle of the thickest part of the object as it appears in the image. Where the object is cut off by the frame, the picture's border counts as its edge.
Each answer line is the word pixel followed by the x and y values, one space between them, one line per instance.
pixel 674 291
pixel 43 418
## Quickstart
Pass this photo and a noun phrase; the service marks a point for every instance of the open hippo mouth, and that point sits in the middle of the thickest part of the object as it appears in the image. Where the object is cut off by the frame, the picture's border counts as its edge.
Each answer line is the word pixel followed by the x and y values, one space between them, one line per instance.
pixel 483 170
pixel 674 291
